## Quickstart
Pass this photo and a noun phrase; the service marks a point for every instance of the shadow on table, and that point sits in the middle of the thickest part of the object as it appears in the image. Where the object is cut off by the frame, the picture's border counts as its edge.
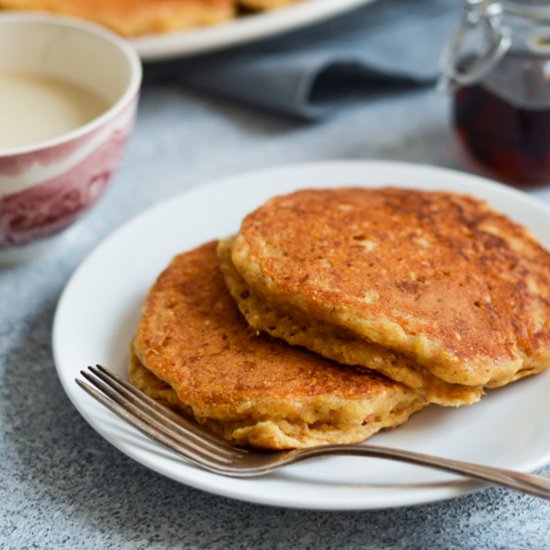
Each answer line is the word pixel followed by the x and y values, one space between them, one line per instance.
pixel 70 473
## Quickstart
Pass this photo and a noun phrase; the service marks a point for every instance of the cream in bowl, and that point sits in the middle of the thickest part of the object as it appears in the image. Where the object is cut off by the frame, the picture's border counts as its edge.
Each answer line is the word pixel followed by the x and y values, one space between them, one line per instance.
pixel 36 108
pixel 68 97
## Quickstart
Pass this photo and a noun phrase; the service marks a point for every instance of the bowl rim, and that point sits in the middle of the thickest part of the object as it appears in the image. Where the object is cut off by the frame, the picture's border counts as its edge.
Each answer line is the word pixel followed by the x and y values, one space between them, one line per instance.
pixel 131 90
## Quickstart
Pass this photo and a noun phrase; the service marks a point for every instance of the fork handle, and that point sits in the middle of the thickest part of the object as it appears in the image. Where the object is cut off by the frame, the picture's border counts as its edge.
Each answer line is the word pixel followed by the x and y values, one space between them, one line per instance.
pixel 528 483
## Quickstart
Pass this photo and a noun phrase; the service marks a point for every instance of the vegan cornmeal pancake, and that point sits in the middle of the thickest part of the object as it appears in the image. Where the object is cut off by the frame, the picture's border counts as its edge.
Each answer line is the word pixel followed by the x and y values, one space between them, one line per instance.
pixel 136 17
pixel 458 292
pixel 337 343
pixel 193 351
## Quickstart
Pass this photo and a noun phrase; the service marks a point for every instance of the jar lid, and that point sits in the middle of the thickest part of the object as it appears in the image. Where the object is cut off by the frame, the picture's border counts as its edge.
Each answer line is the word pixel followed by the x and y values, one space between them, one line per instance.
pixel 480 27
pixel 531 9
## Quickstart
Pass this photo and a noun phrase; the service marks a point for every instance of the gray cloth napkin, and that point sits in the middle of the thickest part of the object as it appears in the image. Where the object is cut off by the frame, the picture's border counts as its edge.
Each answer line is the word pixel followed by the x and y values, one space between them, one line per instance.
pixel 382 46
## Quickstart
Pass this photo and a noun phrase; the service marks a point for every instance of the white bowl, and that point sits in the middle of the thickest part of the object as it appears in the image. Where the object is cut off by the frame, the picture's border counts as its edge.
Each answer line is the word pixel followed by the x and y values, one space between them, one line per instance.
pixel 47 186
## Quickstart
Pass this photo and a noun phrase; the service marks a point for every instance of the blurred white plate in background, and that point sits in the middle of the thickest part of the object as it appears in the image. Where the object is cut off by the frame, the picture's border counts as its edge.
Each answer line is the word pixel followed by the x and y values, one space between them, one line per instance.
pixel 242 30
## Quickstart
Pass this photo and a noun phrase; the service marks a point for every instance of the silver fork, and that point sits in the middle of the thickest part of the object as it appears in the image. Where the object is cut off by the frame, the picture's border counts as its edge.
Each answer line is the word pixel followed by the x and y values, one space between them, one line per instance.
pixel 216 455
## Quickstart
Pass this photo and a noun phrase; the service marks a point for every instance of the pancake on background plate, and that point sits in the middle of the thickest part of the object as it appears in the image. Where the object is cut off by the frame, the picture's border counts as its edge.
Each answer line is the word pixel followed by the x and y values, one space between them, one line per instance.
pixel 429 288
pixel 263 5
pixel 193 351
pixel 136 17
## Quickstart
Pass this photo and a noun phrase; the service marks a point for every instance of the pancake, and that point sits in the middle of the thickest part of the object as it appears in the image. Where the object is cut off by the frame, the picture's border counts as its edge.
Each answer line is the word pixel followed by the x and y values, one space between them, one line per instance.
pixel 436 277
pixel 136 17
pixel 336 343
pixel 194 351
pixel 264 5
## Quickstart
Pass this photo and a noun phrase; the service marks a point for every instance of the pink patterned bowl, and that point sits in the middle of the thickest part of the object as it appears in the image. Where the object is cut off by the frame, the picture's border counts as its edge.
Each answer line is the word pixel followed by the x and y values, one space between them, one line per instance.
pixel 47 186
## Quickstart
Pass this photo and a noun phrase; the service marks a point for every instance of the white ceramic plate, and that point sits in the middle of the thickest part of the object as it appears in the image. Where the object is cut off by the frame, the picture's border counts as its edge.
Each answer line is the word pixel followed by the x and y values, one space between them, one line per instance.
pixel 241 30
pixel 99 310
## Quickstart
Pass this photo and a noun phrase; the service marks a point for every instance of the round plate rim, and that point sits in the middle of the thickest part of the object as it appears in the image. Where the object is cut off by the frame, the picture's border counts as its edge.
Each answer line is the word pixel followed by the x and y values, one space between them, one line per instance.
pixel 450 490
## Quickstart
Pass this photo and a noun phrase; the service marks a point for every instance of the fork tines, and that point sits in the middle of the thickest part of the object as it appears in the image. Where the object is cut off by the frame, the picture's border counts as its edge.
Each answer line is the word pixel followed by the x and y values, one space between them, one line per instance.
pixel 156 421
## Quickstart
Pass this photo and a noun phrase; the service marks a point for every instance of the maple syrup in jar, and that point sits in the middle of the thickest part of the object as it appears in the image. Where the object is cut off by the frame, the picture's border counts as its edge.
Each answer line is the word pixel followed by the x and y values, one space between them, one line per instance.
pixel 500 84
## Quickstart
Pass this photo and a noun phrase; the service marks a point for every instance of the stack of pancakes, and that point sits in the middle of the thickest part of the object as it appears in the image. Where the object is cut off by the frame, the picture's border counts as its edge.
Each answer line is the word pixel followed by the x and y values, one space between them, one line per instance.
pixel 140 17
pixel 333 314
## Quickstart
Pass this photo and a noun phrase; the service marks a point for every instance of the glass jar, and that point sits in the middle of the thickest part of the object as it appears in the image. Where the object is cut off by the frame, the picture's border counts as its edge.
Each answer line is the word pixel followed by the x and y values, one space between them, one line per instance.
pixel 497 68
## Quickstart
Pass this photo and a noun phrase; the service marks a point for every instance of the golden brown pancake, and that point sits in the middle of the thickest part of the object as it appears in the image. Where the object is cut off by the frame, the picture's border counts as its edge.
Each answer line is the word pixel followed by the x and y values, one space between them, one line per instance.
pixel 136 17
pixel 439 278
pixel 336 343
pixel 263 5
pixel 195 352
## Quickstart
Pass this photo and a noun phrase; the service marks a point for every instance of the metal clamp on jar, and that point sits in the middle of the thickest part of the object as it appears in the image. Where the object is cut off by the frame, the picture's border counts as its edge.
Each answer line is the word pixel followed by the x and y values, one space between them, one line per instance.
pixel 497 68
